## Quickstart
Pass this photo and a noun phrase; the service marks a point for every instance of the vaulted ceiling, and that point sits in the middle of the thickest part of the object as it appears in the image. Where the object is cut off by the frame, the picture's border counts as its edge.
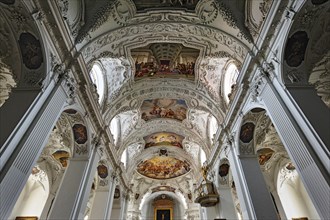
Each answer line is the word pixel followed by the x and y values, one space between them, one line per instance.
pixel 164 65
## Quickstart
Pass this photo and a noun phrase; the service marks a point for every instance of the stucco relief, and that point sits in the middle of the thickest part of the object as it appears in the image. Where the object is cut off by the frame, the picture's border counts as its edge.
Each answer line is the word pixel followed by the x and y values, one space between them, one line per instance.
pixel 197 33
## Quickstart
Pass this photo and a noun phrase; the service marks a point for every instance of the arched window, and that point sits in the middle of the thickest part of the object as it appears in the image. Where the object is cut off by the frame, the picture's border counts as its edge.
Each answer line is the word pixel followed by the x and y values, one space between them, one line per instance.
pixel 229 80
pixel 124 157
pixel 202 157
pixel 98 80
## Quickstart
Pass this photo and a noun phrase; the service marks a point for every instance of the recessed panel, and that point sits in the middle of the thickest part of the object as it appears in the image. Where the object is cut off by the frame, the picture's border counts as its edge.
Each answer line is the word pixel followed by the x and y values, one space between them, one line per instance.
pixel 163 139
pixel 164 108
pixel 163 168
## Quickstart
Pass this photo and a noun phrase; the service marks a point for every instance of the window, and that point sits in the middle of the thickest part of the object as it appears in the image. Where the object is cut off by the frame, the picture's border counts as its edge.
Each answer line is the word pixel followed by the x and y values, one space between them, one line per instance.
pixel 230 80
pixel 98 80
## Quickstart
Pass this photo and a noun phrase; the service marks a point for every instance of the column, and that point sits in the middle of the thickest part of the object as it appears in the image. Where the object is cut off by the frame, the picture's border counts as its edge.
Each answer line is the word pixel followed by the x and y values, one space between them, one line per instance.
pixel 260 197
pixel 226 204
pixel 68 194
pixel 103 200
pixel 124 205
pixel 211 212
pixel 111 198
pixel 240 185
pixel 51 196
pixel 310 159
pixel 313 107
pixel 20 154
pixel 80 206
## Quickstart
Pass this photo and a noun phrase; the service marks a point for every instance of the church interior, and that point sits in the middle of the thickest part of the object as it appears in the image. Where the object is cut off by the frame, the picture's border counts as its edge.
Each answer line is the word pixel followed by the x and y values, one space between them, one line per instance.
pixel 164 109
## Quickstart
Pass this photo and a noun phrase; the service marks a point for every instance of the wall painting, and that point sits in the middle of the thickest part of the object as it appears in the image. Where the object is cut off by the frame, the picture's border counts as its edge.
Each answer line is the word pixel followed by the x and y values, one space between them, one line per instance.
pixel 31 51
pixel 223 169
pixel 295 49
pixel 102 171
pixel 246 134
pixel 79 133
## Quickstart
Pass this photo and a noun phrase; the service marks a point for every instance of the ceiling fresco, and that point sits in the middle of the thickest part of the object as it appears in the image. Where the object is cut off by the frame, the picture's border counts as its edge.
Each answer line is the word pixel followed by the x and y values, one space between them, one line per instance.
pixel 142 5
pixel 164 108
pixel 165 60
pixel 163 139
pixel 163 167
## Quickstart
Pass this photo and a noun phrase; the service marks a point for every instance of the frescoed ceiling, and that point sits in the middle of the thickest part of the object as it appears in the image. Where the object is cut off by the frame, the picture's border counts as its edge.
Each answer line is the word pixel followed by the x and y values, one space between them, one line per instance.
pixel 164 64
pixel 163 167
pixel 164 108
pixel 163 139
pixel 165 60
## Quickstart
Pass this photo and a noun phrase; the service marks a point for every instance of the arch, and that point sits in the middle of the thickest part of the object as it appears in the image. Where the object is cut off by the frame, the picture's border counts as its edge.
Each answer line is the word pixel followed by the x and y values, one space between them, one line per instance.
pixel 25 66
pixel 177 196
pixel 33 196
pixel 305 48
pixel 80 132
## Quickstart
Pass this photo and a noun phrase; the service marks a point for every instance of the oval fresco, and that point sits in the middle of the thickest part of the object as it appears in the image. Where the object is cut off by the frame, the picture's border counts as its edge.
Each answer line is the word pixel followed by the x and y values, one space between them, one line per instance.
pixel 223 170
pixel 31 51
pixel 164 108
pixel 246 134
pixel 79 133
pixel 264 155
pixel 163 168
pixel 295 48
pixel 163 139
pixel 102 171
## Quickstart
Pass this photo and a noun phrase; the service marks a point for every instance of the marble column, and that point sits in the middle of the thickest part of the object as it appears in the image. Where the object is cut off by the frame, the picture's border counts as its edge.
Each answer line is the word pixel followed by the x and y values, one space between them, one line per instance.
pixel 20 154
